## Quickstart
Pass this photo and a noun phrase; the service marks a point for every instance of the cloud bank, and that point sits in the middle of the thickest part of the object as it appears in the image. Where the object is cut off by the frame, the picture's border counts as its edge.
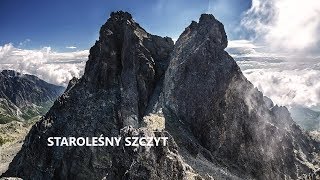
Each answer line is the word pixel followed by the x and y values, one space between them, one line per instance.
pixel 287 82
pixel 285 25
pixel 245 48
pixel 54 67
pixel 285 65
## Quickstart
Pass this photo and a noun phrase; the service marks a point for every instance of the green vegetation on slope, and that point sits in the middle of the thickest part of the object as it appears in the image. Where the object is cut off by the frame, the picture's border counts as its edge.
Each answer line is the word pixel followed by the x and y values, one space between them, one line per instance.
pixel 8 114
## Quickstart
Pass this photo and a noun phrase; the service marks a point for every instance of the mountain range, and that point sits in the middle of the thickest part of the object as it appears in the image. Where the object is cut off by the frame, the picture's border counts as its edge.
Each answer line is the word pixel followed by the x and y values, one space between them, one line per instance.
pixel 138 84
pixel 307 118
pixel 23 96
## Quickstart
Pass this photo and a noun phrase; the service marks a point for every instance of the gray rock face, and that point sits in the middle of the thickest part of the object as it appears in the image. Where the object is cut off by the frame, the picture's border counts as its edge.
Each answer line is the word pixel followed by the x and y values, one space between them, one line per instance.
pixel 128 60
pixel 218 124
pixel 120 75
pixel 205 90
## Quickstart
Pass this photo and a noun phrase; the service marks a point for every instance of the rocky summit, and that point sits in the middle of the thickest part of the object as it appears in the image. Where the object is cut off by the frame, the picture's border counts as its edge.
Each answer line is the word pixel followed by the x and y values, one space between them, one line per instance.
pixel 137 84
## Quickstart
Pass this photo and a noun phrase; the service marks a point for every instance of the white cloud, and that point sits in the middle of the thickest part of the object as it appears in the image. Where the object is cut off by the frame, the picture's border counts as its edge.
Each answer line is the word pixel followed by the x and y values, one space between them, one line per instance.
pixel 54 67
pixel 71 47
pixel 285 25
pixel 241 43
pixel 293 82
pixel 243 48
pixel 287 30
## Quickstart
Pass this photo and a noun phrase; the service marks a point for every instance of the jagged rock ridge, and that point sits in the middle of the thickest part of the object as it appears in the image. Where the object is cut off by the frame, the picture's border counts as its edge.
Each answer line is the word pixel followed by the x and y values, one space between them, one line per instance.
pixel 207 93
pixel 219 125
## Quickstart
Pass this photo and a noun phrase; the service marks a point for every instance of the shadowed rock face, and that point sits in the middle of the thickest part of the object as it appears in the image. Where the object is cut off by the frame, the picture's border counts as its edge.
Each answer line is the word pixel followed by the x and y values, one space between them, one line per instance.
pixel 130 61
pixel 218 124
pixel 205 90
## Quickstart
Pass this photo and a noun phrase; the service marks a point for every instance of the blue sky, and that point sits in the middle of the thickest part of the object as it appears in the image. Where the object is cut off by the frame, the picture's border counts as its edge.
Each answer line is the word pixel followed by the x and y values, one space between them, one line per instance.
pixel 34 24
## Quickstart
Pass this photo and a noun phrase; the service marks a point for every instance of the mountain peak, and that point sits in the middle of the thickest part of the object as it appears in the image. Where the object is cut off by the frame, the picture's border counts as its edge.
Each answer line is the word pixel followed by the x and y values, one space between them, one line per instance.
pixel 207 17
pixel 211 28
pixel 113 62
pixel 120 16
pixel 208 31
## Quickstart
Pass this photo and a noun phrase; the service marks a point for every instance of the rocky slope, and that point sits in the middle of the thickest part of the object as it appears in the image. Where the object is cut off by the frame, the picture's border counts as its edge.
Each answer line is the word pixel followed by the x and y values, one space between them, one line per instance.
pixel 207 93
pixel 138 84
pixel 23 96
pixel 11 139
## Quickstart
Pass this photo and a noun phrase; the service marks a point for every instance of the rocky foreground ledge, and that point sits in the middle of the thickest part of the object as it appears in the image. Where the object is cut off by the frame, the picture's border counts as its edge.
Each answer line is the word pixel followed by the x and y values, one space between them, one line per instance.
pixel 138 84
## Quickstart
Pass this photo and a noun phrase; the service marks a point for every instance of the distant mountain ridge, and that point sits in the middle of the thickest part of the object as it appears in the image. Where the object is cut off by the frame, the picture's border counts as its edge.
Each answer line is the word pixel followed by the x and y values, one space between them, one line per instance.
pixel 24 96
pixel 307 118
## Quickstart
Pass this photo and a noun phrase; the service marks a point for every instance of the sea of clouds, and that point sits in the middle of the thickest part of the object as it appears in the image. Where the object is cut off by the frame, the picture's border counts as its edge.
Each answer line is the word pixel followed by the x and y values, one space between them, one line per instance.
pixel 289 80
pixel 54 67
pixel 286 82
pixel 281 56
